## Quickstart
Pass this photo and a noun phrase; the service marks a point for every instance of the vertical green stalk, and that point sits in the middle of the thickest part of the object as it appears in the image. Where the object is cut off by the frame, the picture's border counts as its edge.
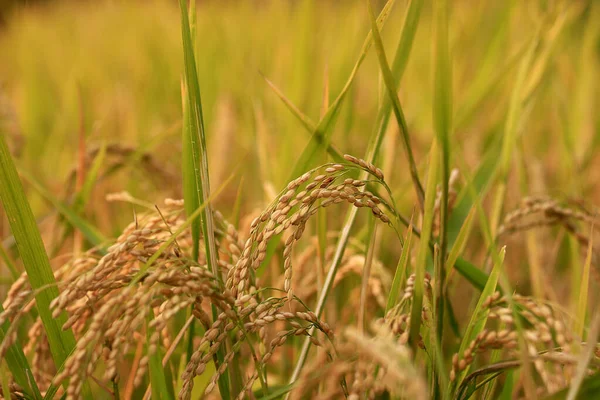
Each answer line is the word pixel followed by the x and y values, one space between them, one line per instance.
pixel 442 118
pixel 195 167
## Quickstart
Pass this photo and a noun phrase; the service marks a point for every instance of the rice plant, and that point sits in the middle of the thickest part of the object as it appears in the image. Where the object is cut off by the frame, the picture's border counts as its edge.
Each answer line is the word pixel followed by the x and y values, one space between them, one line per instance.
pixel 416 241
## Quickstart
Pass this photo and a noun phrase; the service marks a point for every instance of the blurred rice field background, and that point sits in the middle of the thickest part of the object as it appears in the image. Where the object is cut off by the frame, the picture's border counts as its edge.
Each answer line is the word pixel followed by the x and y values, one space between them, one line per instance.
pixel 111 72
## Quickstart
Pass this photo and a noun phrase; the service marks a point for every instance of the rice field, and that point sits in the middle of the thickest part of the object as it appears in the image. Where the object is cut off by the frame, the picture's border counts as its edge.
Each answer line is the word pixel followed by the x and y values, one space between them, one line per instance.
pixel 297 200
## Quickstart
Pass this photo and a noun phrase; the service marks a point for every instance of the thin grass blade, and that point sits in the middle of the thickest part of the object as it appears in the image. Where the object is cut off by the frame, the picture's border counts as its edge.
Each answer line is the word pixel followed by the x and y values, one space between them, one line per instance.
pixel 585 358
pixel 400 275
pixel 423 251
pixel 93 235
pixel 479 315
pixel 460 243
pixel 303 118
pixel 442 121
pixel 195 167
pixel 322 136
pixel 306 122
pixel 366 273
pixel 5 385
pixel 582 303
pixel 390 84
pixel 403 49
pixel 515 110
pixel 83 196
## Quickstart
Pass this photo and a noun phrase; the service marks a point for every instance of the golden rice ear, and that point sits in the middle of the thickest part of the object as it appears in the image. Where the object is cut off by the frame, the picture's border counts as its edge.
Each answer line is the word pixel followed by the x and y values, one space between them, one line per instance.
pixel 545 332
pixel 292 209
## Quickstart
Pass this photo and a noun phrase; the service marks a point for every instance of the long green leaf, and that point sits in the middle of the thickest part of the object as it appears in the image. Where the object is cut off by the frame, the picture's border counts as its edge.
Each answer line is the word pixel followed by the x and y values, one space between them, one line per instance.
pixel 442 121
pixel 190 192
pixel 488 74
pixel 582 302
pixel 195 167
pixel 32 252
pixel 403 49
pixel 322 136
pixel 479 315
pixel 306 122
pixel 515 110
pixel 421 263
pixel 196 183
pixel 460 243
pixel 486 171
pixel 474 275
pixel 304 119
pixel 390 85
pixel 400 274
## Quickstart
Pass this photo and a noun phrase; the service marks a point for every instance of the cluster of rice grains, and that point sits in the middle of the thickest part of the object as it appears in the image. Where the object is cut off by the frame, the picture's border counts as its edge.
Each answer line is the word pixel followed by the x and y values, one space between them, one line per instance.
pixel 542 333
pixel 369 366
pixel 137 300
pixel 301 199
pixel 541 211
pixel 397 319
pixel 135 293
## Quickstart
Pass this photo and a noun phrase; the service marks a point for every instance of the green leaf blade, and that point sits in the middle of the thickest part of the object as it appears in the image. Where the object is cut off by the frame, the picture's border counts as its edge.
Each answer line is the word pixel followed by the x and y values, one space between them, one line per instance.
pixel 321 138
pixel 32 251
